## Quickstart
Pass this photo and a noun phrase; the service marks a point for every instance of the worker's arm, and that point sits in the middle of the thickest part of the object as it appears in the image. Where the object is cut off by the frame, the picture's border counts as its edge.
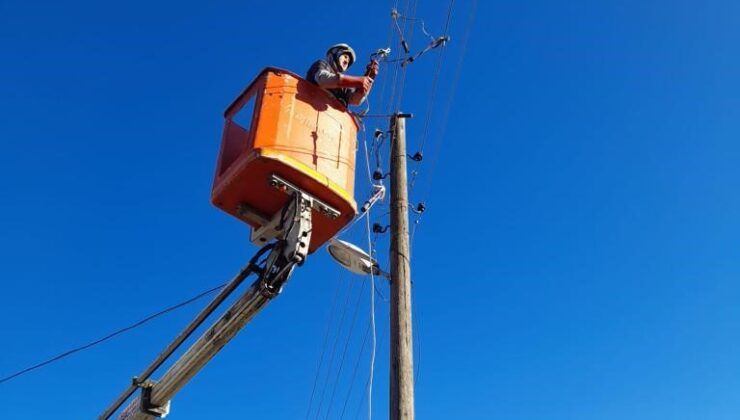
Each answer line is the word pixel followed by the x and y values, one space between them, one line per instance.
pixel 333 80
pixel 360 84
pixel 326 78
pixel 358 96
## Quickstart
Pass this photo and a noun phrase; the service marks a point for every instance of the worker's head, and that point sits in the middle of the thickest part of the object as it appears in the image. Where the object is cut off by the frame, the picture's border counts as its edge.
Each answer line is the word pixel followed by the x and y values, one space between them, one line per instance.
pixel 344 61
pixel 341 57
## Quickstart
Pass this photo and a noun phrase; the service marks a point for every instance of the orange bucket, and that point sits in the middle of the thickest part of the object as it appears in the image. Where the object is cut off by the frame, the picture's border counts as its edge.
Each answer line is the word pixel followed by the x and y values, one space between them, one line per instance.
pixel 296 131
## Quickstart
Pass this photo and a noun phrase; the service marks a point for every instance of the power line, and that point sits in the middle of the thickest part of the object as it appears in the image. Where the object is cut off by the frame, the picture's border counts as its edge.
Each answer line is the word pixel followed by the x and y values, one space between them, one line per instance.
pixel 410 37
pixel 384 76
pixel 113 334
pixel 446 114
pixel 332 311
pixel 433 93
pixel 379 339
pixel 372 323
pixel 354 371
pixel 402 41
pixel 346 346
pixel 453 89
pixel 334 349
pixel 437 72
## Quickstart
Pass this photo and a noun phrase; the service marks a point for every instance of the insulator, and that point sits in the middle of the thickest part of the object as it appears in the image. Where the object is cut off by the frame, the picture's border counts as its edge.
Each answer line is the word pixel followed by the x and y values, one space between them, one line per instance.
pixel 378 228
pixel 405 46
pixel 378 175
pixel 440 41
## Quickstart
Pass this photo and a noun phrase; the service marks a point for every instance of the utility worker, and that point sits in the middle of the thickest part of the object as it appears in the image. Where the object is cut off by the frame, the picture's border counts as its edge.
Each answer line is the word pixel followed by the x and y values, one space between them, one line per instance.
pixel 329 74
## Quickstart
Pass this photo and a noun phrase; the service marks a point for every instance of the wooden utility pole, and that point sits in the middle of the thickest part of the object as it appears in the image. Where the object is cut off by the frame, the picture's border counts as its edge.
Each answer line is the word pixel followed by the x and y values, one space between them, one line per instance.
pixel 402 360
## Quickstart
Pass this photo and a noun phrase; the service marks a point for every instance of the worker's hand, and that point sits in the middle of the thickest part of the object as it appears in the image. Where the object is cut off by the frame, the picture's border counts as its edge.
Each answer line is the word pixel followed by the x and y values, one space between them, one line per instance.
pixel 367 84
pixel 372 69
pixel 363 83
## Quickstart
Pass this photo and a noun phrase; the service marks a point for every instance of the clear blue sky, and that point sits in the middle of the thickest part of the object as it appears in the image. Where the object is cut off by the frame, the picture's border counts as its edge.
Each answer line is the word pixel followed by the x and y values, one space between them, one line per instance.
pixel 579 258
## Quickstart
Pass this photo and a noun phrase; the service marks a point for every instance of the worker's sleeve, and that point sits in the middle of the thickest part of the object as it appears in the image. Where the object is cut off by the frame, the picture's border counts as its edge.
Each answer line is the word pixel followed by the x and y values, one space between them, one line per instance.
pixel 322 74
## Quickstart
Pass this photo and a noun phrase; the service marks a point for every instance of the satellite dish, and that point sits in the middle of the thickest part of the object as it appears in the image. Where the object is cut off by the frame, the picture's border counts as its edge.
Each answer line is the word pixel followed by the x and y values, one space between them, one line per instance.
pixel 353 258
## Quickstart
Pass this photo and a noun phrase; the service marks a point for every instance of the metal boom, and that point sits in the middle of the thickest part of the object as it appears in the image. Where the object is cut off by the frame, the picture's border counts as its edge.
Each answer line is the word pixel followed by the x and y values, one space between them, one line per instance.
pixel 291 228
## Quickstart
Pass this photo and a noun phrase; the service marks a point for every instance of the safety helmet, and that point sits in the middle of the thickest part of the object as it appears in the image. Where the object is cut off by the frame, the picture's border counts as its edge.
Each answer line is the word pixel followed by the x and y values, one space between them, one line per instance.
pixel 336 51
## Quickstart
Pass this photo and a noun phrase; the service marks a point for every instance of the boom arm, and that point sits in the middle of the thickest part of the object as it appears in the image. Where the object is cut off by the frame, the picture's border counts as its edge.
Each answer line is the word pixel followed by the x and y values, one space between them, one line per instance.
pixel 291 228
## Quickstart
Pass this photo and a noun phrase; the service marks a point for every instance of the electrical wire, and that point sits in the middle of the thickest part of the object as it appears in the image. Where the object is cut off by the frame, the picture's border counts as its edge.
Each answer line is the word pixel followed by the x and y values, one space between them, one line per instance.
pixel 367 156
pixel 372 288
pixel 113 334
pixel 384 75
pixel 430 107
pixel 372 251
pixel 372 323
pixel 332 311
pixel 354 371
pixel 393 101
pixel 405 68
pixel 346 346
pixel 370 180
pixel 402 41
pixel 334 350
pixel 433 92
pixel 445 117
pixel 383 334
pixel 423 28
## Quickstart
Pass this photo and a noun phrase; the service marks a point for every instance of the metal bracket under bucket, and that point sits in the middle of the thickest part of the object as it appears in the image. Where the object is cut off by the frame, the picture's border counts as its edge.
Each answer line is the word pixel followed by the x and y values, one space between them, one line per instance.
pixel 317 204
pixel 272 227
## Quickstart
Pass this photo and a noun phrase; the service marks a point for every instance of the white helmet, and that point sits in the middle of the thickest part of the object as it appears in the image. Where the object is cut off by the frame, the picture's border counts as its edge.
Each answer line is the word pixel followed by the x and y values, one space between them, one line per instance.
pixel 336 51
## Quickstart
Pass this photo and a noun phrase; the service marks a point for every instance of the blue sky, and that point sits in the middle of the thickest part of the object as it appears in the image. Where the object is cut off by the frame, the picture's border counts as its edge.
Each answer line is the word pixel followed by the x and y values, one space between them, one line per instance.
pixel 579 258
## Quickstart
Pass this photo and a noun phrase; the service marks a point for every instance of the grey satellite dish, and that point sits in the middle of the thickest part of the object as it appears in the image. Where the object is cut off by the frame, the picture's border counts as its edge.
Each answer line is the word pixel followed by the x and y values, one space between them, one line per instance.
pixel 353 258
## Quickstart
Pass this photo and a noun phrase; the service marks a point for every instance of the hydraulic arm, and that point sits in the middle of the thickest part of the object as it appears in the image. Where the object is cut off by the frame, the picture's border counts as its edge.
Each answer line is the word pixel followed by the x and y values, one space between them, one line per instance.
pixel 288 235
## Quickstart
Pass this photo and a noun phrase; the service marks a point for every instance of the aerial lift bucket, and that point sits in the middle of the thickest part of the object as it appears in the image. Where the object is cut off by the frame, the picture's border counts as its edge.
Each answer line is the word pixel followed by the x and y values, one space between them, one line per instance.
pixel 283 127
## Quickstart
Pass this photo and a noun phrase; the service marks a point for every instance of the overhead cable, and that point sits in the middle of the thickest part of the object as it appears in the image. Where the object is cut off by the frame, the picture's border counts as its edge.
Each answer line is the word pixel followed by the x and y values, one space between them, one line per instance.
pixel 113 334
pixel 446 113
pixel 332 311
